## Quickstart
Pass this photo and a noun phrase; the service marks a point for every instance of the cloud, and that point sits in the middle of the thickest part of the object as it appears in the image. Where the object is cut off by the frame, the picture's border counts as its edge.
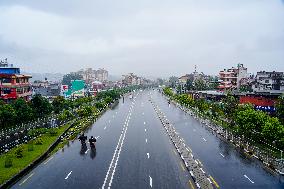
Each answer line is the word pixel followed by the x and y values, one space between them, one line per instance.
pixel 147 37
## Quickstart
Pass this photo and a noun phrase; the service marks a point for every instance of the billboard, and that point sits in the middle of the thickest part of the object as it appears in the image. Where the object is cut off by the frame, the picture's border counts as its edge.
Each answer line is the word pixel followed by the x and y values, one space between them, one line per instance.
pixel 64 88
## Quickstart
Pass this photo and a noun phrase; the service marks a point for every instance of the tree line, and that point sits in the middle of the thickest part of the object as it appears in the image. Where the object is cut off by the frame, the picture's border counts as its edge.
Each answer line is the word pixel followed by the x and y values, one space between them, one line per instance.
pixel 241 118
pixel 21 111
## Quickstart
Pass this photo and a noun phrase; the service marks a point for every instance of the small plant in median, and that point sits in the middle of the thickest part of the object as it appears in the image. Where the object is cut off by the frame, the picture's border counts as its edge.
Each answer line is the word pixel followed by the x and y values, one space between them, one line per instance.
pixel 53 132
pixel 38 141
pixel 19 152
pixel 8 161
pixel 30 147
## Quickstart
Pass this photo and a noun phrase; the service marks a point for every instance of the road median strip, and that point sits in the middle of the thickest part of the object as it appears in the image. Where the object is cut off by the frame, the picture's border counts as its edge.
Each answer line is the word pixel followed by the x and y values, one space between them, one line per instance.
pixel 196 172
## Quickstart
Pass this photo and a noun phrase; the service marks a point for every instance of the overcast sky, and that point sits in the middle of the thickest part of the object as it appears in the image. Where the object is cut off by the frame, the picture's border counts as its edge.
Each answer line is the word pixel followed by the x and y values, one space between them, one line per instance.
pixel 147 37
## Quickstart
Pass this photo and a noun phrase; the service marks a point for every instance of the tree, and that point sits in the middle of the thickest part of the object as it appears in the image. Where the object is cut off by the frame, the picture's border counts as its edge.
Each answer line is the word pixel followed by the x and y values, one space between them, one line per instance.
pixel 250 121
pixel 59 103
pixel 7 115
pixel 272 130
pixel 168 91
pixel 100 105
pixel 200 84
pixel 69 77
pixel 23 111
pixel 185 99
pixel 230 104
pixel 173 80
pixel 160 81
pixel 280 108
pixel 85 111
pixel 245 88
pixel 189 85
pixel 41 106
pixel 65 115
pixel 108 100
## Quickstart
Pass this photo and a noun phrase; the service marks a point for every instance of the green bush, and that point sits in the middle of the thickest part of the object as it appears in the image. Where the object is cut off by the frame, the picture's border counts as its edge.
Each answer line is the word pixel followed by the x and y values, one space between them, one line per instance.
pixel 19 152
pixel 36 132
pixel 53 132
pixel 8 161
pixel 38 141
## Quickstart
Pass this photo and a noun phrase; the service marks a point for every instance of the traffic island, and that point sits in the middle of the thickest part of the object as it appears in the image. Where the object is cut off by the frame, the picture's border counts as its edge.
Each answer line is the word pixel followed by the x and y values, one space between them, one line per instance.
pixel 194 167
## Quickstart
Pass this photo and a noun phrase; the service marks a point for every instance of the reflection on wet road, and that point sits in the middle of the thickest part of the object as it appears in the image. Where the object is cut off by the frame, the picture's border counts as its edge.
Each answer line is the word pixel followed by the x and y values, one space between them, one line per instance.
pixel 133 151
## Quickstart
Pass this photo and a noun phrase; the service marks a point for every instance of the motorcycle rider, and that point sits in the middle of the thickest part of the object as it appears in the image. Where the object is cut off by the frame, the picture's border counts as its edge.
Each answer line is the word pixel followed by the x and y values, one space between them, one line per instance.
pixel 82 138
pixel 93 141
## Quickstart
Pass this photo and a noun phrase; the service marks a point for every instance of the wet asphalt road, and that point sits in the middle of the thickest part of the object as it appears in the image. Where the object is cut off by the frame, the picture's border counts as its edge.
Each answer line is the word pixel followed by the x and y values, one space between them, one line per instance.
pixel 133 151
pixel 229 168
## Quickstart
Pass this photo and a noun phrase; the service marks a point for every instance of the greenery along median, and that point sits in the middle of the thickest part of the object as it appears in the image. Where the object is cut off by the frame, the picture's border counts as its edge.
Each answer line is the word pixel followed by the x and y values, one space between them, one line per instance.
pixel 242 119
pixel 21 112
pixel 20 157
pixel 87 110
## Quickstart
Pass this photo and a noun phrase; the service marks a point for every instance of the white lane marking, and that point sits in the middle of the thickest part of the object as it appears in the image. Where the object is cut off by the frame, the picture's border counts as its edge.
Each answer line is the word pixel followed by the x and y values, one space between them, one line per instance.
pixel 109 121
pixel 146 140
pixel 143 113
pixel 26 179
pixel 110 182
pixel 144 123
pixel 97 137
pixel 145 130
pixel 204 139
pixel 87 151
pixel 194 130
pixel 249 179
pixel 68 175
pixel 48 160
pixel 110 165
pixel 116 153
pixel 222 155
pixel 104 128
pixel 148 155
pixel 151 182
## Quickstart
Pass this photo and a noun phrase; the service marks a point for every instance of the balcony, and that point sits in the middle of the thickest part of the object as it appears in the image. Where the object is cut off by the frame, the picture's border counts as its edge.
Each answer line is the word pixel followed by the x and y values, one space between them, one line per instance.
pixel 25 94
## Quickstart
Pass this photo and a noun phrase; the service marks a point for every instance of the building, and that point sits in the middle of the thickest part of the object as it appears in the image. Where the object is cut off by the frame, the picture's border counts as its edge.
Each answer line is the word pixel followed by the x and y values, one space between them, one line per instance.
pixel 233 78
pixel 101 75
pixel 13 84
pixel 89 75
pixel 129 79
pixel 77 89
pixel 268 82
pixel 132 79
pixel 183 79
pixel 46 89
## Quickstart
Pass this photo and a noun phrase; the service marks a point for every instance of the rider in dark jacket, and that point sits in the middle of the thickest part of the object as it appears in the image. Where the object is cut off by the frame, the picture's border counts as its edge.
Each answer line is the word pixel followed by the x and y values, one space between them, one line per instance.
pixel 82 138
pixel 93 141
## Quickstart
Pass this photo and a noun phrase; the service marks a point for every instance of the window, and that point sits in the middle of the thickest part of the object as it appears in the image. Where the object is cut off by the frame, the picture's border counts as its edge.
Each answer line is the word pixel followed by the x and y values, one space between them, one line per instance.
pixel 19 90
pixel 6 80
pixel 266 81
pixel 6 90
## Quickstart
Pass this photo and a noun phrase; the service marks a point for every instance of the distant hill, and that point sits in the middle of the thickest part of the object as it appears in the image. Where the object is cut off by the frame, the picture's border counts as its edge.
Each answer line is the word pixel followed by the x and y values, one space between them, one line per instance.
pixel 41 76
pixel 59 76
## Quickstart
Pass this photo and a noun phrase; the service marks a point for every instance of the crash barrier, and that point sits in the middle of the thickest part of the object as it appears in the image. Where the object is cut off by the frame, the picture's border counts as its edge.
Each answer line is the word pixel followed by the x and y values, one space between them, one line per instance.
pixel 201 179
